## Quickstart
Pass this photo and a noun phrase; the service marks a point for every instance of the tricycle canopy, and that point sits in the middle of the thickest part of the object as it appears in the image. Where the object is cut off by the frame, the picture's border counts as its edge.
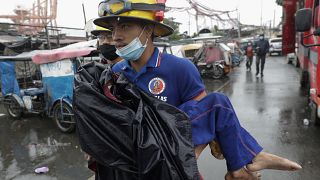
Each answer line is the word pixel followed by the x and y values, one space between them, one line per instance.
pixel 47 56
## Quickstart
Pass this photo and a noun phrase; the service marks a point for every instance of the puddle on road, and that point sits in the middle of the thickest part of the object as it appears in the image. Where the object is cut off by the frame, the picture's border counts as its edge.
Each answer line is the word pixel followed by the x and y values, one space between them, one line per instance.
pixel 32 143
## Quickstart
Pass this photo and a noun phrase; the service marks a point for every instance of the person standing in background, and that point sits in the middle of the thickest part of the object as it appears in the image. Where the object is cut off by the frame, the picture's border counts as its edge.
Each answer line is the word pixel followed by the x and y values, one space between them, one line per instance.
pixel 105 45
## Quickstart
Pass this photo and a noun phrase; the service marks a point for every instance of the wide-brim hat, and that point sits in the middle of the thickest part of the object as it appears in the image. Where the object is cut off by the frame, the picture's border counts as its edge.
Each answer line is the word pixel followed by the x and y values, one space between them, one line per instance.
pixel 143 11
pixel 160 29
pixel 97 32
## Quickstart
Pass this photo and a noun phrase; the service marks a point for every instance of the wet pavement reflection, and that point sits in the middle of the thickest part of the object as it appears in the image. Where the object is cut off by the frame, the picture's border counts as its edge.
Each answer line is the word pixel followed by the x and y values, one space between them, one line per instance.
pixel 271 108
pixel 35 142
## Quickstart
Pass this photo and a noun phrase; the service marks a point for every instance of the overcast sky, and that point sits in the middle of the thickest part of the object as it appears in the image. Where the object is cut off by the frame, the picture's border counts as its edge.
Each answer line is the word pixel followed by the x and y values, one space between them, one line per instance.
pixel 70 12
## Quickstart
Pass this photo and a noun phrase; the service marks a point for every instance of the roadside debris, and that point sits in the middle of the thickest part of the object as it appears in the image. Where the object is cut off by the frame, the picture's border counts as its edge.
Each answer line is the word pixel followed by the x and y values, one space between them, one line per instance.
pixel 41 170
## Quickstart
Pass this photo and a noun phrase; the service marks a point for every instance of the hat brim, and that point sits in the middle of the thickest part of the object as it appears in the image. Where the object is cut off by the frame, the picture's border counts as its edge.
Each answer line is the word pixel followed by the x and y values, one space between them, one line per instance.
pixel 97 32
pixel 160 30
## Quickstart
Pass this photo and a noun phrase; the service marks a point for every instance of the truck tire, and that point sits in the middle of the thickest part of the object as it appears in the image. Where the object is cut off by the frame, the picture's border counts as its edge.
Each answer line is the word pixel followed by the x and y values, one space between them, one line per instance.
pixel 63 117
pixel 304 80
pixel 314 115
pixel 297 63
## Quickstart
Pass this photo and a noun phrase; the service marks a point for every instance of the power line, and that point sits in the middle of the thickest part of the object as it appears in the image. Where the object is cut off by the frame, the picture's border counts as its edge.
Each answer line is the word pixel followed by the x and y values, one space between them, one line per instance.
pixel 203 10
pixel 58 27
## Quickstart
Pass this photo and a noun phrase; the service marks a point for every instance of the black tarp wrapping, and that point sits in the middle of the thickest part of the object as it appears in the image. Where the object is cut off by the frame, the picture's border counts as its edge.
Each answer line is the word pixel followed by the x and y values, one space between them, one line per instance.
pixel 135 135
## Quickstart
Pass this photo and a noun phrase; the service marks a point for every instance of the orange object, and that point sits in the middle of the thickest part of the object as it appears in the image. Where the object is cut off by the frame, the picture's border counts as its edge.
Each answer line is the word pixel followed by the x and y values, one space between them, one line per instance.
pixel 159 16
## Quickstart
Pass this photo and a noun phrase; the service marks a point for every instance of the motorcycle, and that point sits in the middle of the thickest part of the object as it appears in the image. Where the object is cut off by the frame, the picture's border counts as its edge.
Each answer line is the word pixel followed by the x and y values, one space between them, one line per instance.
pixel 213 60
pixel 215 70
pixel 49 93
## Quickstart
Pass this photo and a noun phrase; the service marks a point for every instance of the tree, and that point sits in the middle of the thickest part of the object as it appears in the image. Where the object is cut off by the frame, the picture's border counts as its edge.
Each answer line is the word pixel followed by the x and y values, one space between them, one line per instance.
pixel 175 25
pixel 4 27
pixel 215 28
pixel 279 2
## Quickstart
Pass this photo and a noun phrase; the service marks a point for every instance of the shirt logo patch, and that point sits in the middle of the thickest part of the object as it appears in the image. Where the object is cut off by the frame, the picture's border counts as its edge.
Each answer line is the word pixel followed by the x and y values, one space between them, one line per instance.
pixel 156 86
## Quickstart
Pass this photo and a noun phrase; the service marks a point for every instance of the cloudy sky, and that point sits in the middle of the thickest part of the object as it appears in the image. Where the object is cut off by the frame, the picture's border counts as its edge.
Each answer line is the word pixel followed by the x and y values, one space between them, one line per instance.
pixel 70 12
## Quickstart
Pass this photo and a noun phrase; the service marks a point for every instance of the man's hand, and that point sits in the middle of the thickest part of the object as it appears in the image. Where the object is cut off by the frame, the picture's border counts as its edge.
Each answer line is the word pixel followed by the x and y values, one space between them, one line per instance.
pixel 200 96
pixel 242 174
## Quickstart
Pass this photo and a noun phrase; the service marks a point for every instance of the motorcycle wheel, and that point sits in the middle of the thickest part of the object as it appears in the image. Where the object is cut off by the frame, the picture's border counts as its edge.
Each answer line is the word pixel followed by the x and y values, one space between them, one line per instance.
pixel 63 117
pixel 236 63
pixel 217 72
pixel 13 108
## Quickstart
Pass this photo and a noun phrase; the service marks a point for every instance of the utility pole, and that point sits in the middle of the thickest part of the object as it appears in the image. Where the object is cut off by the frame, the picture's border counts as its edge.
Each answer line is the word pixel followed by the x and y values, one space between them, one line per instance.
pixel 239 24
pixel 274 18
pixel 189 25
pixel 85 20
pixel 270 29
pixel 48 38
pixel 197 21
pixel 261 14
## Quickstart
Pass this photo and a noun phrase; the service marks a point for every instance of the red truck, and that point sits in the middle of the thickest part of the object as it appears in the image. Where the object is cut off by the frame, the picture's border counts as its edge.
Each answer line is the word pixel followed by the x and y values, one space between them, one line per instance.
pixel 304 17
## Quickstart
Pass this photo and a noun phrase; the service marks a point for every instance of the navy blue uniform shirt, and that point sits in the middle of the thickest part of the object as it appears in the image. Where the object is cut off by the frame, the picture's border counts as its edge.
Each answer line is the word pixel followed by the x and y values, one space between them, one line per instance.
pixel 169 78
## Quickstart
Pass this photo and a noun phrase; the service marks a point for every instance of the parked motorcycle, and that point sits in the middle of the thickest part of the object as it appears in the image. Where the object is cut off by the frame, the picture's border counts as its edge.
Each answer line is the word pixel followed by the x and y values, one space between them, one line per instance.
pixel 215 70
pixel 213 60
pixel 236 59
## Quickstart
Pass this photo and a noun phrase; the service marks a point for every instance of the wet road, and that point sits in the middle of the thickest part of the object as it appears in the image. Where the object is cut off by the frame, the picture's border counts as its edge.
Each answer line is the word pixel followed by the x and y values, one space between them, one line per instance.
pixel 35 142
pixel 272 109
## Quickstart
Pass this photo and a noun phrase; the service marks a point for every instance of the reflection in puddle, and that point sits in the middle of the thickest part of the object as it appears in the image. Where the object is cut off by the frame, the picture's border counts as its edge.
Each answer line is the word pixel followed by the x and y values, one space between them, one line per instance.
pixel 35 177
pixel 33 142
pixel 44 148
pixel 13 170
pixel 1 161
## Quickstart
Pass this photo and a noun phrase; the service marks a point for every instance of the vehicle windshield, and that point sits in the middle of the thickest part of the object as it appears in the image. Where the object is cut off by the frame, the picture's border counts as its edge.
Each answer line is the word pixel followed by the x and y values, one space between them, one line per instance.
pixel 275 40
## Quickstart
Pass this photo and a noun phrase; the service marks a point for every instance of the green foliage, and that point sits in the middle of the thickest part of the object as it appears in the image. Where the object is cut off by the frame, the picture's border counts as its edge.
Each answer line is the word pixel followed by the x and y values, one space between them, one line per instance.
pixel 215 28
pixel 175 25
pixel 216 31
pixel 279 2
pixel 4 27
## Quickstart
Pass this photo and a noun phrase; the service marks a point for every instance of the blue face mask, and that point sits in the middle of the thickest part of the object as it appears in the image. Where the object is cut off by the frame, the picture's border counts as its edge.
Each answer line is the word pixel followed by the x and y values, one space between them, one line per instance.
pixel 133 50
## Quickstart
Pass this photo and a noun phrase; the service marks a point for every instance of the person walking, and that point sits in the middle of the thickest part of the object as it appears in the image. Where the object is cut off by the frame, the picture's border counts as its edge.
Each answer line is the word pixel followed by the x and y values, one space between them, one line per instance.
pixel 261 50
pixel 249 54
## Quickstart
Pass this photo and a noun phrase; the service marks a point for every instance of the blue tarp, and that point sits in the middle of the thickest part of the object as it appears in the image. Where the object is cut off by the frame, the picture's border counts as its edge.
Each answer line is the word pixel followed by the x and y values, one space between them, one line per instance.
pixel 9 82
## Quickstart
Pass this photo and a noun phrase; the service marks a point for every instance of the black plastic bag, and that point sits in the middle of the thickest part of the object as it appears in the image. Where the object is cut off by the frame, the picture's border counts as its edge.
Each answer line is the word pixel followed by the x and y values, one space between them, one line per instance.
pixel 133 135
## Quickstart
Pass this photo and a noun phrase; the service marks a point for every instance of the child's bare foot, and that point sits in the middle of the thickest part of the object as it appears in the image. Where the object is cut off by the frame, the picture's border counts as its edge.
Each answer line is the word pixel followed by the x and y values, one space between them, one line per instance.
pixel 242 174
pixel 270 161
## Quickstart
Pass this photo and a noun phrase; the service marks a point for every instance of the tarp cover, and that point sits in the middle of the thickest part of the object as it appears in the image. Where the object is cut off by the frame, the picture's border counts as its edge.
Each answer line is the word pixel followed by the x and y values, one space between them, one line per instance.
pixel 9 83
pixel 135 135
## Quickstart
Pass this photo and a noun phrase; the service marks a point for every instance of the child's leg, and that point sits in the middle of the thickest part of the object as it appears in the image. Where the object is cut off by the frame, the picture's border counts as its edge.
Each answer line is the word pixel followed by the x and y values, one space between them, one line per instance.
pixel 214 118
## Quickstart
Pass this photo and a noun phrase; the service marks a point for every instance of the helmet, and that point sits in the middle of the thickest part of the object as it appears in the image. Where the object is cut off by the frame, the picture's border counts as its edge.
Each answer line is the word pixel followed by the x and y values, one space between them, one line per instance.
pixel 147 11
pixel 95 30
pixel 99 30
